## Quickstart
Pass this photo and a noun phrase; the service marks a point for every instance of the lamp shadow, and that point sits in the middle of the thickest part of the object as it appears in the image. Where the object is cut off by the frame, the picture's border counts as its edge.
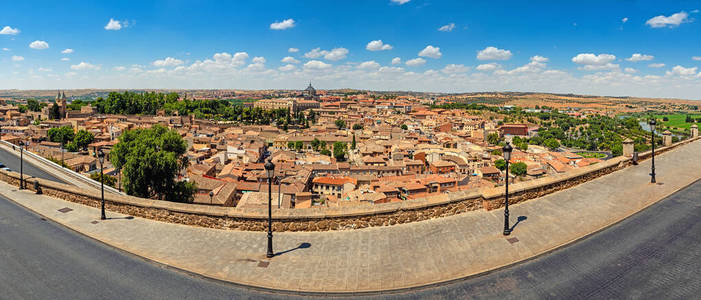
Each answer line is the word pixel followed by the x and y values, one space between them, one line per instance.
pixel 121 218
pixel 301 246
pixel 518 220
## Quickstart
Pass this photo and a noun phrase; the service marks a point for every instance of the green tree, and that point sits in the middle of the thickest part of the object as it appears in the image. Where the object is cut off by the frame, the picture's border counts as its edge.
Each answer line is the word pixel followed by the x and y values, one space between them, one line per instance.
pixel 315 144
pixel 63 134
pixel 33 105
pixel 353 143
pixel 404 127
pixel 71 147
pixel 500 164
pixel 83 138
pixel 108 180
pixel 150 159
pixel 518 169
pixel 55 112
pixel 493 138
pixel 551 143
pixel 340 123
pixel 339 151
pixel 357 126
pixel 299 145
pixel 326 152
pixel 290 145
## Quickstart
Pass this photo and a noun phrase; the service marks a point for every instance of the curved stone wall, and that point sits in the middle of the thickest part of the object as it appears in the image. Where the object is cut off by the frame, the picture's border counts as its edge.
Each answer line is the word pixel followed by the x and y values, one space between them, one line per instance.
pixel 322 219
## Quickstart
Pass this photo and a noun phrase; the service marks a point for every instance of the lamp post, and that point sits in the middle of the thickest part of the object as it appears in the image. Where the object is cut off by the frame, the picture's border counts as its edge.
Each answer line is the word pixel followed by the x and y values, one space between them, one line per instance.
pixel 62 152
pixel 653 123
pixel 101 157
pixel 21 165
pixel 211 194
pixel 270 171
pixel 507 156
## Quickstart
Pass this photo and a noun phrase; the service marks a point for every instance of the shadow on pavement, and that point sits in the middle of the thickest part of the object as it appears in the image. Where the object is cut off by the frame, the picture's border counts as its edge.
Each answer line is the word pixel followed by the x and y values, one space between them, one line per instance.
pixel 301 246
pixel 518 220
pixel 121 218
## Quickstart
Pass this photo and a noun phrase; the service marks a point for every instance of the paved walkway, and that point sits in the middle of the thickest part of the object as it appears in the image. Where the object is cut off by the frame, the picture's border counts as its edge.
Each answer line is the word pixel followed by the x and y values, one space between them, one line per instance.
pixel 392 257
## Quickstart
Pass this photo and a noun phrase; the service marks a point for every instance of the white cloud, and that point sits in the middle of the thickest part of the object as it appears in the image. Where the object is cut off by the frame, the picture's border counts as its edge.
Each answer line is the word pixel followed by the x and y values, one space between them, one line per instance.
pixel 696 58
pixel 290 60
pixel 378 45
pixel 493 53
pixel 400 2
pixel 287 68
pixel 17 58
pixel 316 65
pixel 39 45
pixel 670 22
pixel 286 24
pixel 258 60
pixel 113 25
pixel 7 30
pixel 682 71
pixel 447 28
pixel 416 62
pixel 67 51
pixel 5 49
pixel 119 68
pixel 592 61
pixel 396 61
pixel 369 65
pixel 44 69
pixel 454 68
pixel 639 57
pixel 658 65
pixel 538 58
pixel 293 50
pixel 167 62
pixel 432 52
pixel 487 67
pixel 65 59
pixel 630 70
pixel 624 20
pixel 333 55
pixel 84 66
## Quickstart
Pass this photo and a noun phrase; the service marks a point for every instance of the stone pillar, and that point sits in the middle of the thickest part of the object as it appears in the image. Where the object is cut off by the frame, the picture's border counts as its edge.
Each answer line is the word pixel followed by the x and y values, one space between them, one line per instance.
pixel 628 148
pixel 694 131
pixel 667 138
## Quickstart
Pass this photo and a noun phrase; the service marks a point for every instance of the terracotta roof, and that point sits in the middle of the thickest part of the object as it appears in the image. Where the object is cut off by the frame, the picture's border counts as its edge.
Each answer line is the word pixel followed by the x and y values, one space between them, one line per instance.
pixel 335 180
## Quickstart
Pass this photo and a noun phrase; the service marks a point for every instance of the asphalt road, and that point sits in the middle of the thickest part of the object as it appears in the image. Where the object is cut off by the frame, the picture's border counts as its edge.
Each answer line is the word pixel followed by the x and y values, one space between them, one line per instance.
pixel 655 254
pixel 12 162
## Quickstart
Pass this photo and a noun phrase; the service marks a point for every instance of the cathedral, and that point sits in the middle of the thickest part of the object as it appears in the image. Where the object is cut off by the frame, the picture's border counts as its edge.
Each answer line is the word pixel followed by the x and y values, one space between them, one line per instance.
pixel 61 102
pixel 310 92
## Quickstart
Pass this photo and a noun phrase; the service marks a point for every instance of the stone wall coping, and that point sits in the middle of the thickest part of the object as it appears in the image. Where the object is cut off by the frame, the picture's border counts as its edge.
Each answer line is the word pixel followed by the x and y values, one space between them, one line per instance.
pixel 362 210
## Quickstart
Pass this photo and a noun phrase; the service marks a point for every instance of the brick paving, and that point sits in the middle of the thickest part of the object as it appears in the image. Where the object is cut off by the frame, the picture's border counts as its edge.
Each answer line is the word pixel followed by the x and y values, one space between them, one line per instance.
pixel 382 258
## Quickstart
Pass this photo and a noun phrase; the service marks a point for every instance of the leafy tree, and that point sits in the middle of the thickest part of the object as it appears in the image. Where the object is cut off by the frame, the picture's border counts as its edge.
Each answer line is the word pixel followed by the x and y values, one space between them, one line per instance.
pixel 357 126
pixel 518 169
pixel 404 127
pixel 315 144
pixel 83 138
pixel 290 145
pixel 63 134
pixel 551 143
pixel 150 159
pixel 353 143
pixel 299 145
pixel 500 164
pixel 108 180
pixel 493 138
pixel 72 147
pixel 340 123
pixel 339 151
pixel 33 105
pixel 22 108
pixel 665 118
pixel 55 112
pixel 326 152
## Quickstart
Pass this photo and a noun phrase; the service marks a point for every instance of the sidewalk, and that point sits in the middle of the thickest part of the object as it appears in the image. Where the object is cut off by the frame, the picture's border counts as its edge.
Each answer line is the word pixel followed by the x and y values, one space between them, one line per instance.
pixel 380 258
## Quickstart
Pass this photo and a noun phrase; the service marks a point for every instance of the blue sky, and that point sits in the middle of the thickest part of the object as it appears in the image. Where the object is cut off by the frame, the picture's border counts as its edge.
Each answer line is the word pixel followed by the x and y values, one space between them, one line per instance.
pixel 575 46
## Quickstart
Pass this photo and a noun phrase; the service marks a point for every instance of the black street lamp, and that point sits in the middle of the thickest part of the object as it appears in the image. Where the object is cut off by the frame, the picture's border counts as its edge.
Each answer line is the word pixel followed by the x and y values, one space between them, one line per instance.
pixel 101 156
pixel 21 165
pixel 652 131
pixel 507 156
pixel 211 195
pixel 270 171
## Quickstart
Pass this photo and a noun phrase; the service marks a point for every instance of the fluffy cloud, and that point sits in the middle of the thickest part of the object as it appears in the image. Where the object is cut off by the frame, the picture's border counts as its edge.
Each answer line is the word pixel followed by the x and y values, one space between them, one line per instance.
pixel 65 59
pixel 17 58
pixel 5 49
pixel 293 50
pixel 682 71
pixel 624 20
pixel 432 52
pixel 84 66
pixel 290 60
pixel 400 2
pixel 447 27
pixel 493 53
pixel 592 62
pixel 670 22
pixel 113 25
pixel 630 70
pixel 539 59
pixel 536 65
pixel 316 65
pixel 39 45
pixel 369 65
pixel 396 61
pixel 258 60
pixel 658 65
pixel 287 68
pixel 487 67
pixel 378 45
pixel 286 24
pixel 333 55
pixel 167 62
pixel 7 30
pixel 696 57
pixel 639 57
pixel 67 51
pixel 416 62
pixel 119 68
pixel 454 69
pixel 44 69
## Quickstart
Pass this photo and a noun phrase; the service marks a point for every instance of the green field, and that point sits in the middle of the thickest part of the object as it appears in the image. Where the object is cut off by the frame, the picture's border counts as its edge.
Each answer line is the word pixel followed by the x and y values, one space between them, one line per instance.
pixel 677 120
pixel 591 154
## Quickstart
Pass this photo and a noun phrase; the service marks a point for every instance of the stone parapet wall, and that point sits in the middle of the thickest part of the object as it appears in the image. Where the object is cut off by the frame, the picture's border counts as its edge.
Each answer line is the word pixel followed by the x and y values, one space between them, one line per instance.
pixel 322 219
